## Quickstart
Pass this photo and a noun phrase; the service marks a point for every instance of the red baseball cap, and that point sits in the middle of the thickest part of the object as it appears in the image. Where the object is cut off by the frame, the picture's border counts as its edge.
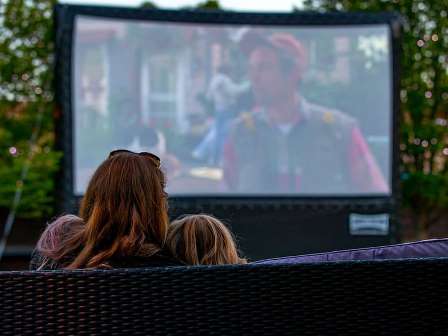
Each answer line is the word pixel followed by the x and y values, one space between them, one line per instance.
pixel 283 42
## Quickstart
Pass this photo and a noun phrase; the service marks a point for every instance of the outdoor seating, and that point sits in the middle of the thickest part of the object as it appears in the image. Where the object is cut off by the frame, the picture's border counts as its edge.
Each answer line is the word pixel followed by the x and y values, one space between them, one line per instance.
pixel 430 248
pixel 399 297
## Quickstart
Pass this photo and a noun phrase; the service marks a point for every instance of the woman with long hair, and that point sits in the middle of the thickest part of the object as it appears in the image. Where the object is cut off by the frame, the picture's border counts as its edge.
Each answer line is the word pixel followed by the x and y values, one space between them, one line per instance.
pixel 123 219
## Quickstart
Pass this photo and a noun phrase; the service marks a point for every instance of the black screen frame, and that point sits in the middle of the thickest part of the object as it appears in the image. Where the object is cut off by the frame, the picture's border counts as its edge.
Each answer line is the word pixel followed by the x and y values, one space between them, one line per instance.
pixel 65 22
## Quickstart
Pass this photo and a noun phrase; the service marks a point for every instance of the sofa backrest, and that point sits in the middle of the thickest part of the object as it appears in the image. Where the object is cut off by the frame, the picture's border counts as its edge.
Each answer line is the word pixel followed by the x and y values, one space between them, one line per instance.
pixel 344 298
pixel 431 248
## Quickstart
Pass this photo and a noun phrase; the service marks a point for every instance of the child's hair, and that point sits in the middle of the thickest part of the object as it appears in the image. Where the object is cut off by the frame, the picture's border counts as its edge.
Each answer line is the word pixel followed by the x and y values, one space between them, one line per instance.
pixel 202 240
pixel 57 233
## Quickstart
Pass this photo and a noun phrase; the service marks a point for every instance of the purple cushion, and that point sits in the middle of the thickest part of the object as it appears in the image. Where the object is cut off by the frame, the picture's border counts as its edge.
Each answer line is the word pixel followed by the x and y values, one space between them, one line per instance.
pixel 419 249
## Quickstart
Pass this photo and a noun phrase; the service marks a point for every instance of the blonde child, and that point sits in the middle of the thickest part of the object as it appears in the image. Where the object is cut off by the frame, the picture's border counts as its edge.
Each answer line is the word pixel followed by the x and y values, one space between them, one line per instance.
pixel 202 240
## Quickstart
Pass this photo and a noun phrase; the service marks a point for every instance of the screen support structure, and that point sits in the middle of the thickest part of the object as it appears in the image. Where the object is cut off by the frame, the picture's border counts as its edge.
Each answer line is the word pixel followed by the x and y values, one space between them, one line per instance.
pixel 265 226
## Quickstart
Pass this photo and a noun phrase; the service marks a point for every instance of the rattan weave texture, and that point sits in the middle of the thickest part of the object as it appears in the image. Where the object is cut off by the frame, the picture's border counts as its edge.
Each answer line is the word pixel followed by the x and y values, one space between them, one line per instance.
pixel 404 297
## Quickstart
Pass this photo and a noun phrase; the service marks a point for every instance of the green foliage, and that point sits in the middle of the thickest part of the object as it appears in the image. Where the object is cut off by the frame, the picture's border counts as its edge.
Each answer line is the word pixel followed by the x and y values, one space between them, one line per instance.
pixel 209 4
pixel 26 92
pixel 205 5
pixel 148 5
pixel 424 99
pixel 26 59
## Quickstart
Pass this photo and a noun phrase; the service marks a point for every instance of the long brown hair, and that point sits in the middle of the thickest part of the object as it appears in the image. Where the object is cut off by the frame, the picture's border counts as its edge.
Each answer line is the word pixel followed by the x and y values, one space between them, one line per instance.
pixel 202 240
pixel 124 212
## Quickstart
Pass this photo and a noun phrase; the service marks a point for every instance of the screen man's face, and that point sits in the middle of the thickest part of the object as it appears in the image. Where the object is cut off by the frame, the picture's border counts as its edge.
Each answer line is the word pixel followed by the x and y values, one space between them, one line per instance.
pixel 270 84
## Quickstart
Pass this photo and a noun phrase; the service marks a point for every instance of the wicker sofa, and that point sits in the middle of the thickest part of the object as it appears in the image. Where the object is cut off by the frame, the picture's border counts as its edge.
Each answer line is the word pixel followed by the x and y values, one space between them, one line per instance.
pixel 392 297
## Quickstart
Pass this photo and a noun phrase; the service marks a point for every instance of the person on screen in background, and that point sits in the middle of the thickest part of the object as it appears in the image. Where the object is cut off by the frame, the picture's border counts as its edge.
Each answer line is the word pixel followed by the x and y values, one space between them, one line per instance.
pixel 149 139
pixel 223 92
pixel 287 144
pixel 123 220
pixel 202 240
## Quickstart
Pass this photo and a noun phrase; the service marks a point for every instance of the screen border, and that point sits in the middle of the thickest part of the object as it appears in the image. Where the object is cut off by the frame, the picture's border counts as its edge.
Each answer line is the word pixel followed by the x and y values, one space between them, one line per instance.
pixel 65 16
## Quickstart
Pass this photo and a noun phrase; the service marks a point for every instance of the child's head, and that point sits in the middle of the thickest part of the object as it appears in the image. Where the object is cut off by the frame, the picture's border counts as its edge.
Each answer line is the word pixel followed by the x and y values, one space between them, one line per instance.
pixel 202 240
pixel 57 235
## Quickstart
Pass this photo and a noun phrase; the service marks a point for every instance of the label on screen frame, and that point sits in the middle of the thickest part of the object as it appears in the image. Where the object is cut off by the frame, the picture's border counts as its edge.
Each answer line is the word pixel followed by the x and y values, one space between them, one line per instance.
pixel 371 225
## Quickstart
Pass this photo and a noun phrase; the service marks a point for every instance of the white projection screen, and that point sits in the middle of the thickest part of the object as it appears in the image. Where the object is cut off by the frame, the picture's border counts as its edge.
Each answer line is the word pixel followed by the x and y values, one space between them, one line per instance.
pixel 237 110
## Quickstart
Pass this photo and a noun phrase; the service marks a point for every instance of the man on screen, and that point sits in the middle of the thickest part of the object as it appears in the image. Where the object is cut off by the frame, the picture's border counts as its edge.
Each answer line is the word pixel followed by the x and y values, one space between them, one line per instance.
pixel 286 144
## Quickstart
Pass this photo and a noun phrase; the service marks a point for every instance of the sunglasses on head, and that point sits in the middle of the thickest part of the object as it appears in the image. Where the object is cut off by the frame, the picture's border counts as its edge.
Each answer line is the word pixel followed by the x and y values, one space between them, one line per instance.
pixel 155 158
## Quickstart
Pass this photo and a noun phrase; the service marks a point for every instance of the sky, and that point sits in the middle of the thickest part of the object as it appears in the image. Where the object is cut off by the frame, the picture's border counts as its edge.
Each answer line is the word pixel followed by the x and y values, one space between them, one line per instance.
pixel 242 5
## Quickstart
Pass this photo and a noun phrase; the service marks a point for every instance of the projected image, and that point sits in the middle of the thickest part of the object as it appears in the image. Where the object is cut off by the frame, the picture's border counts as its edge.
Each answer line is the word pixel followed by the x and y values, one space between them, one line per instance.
pixel 237 110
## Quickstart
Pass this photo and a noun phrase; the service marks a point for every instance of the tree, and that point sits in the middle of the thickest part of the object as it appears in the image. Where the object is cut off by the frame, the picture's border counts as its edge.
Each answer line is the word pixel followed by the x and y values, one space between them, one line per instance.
pixel 424 101
pixel 26 100
pixel 209 4
pixel 148 5
pixel 26 106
